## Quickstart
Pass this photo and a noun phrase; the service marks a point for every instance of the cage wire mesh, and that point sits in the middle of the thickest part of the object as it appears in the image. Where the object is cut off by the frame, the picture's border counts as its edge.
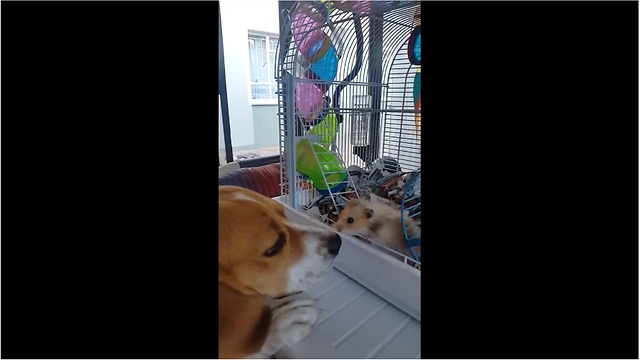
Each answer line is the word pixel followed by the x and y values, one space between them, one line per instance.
pixel 347 103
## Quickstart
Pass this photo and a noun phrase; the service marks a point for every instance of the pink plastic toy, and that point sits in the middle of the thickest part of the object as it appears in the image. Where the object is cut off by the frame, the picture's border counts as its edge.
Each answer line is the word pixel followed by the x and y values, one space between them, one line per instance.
pixel 306 29
pixel 309 100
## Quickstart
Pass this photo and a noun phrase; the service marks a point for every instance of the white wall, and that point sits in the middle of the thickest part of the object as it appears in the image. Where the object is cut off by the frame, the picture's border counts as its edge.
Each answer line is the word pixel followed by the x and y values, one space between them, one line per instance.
pixel 238 17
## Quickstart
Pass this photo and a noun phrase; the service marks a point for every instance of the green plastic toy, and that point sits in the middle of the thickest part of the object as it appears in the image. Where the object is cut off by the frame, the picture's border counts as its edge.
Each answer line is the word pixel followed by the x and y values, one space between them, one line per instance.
pixel 306 164
pixel 327 129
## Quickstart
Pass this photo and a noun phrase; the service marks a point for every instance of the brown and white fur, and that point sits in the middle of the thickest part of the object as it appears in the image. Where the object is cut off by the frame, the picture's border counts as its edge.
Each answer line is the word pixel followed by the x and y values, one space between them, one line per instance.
pixel 264 258
pixel 378 222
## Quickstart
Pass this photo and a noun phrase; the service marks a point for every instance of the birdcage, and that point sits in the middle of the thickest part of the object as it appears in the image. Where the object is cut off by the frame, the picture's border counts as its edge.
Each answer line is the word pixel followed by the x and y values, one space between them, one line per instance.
pixel 348 76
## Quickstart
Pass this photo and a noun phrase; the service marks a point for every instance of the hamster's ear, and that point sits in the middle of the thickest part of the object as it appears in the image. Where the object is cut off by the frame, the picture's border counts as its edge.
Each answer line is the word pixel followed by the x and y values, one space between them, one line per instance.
pixel 369 213
pixel 243 323
pixel 367 197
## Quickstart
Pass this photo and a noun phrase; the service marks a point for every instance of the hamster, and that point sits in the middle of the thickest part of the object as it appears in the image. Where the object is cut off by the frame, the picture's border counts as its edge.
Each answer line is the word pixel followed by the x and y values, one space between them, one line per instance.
pixel 376 221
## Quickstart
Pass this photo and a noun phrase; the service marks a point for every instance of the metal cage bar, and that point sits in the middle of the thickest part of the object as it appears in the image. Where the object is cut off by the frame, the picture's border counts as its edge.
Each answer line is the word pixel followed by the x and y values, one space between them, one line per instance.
pixel 350 96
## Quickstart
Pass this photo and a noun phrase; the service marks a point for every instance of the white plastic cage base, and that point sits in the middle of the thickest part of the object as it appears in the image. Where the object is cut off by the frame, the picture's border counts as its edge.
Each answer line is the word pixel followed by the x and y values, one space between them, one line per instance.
pixel 355 323
pixel 369 302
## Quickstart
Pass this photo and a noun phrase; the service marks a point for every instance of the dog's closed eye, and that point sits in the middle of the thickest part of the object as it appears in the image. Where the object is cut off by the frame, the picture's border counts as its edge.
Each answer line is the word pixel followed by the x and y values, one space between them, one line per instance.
pixel 276 247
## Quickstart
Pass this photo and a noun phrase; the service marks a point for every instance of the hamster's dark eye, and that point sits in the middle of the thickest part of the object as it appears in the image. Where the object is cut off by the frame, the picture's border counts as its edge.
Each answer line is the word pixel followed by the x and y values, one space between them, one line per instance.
pixel 276 247
pixel 350 220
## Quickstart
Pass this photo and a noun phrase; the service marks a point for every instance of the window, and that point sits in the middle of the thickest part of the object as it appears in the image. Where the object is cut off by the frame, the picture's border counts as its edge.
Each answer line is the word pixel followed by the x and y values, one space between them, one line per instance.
pixel 262 57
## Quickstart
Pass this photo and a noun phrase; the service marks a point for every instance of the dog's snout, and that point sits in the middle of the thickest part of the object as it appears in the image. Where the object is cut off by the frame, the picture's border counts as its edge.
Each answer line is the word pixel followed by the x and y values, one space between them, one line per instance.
pixel 333 244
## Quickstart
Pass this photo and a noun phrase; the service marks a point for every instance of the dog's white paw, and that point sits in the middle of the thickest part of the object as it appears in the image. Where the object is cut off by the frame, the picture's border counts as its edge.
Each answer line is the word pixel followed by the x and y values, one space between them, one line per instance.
pixel 291 322
pixel 294 320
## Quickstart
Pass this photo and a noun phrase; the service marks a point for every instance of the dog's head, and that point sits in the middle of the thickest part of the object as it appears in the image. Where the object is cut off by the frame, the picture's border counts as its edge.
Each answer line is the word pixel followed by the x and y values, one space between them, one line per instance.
pixel 260 249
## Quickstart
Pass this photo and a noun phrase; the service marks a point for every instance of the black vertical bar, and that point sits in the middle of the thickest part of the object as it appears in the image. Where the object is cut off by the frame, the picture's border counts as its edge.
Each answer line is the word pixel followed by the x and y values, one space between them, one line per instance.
pixel 222 91
pixel 368 153
pixel 375 77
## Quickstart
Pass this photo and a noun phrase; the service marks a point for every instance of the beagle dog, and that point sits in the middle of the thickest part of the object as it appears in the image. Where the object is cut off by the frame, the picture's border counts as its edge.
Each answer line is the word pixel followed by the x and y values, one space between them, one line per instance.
pixel 265 262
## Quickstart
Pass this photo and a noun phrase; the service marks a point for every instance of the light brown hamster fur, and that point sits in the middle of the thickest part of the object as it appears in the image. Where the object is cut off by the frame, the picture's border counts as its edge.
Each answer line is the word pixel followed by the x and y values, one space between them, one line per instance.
pixel 376 221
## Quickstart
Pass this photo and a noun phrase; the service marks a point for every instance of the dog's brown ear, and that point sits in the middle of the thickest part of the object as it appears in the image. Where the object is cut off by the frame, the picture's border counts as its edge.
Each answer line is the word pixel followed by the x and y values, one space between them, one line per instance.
pixel 243 323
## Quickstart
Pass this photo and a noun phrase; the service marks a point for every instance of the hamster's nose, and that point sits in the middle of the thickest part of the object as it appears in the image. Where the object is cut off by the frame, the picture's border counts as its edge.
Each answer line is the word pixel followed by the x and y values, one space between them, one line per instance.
pixel 333 244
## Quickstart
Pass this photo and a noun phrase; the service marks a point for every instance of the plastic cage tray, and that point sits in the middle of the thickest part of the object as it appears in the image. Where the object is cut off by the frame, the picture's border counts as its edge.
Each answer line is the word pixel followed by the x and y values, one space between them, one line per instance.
pixel 369 302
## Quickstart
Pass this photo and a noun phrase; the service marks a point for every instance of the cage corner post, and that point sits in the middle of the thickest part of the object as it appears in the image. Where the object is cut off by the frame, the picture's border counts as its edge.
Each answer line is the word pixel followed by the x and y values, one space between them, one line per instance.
pixel 288 99
pixel 291 143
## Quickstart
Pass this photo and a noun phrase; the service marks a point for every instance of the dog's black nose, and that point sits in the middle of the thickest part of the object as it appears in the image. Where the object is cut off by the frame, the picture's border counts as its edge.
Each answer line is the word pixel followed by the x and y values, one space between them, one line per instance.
pixel 333 244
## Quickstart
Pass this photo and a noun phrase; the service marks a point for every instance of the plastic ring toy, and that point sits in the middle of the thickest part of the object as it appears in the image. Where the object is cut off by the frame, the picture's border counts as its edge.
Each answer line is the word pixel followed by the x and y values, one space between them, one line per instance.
pixel 306 29
pixel 414 50
pixel 325 69
pixel 319 49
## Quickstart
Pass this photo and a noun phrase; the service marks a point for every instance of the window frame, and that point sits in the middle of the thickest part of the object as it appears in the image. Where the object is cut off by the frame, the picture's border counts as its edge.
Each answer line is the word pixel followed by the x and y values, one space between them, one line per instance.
pixel 270 68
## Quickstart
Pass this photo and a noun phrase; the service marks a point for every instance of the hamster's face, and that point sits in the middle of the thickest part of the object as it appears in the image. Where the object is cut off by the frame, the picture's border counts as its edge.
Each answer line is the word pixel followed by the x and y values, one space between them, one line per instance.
pixel 354 219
